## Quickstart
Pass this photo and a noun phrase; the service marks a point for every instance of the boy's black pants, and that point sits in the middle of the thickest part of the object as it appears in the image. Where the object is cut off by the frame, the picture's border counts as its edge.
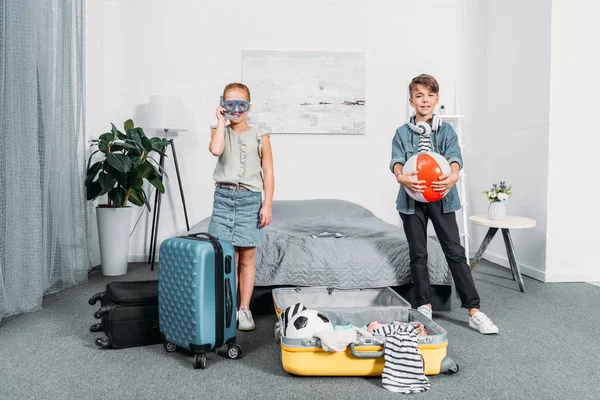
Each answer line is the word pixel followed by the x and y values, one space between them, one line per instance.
pixel 415 227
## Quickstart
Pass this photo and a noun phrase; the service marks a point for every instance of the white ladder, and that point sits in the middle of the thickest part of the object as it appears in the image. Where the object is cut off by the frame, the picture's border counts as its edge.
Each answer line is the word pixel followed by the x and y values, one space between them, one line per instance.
pixel 462 182
pixel 457 119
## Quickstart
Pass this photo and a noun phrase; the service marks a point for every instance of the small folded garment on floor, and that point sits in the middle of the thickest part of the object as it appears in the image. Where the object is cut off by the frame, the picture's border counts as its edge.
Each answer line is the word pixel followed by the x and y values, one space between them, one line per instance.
pixel 339 340
pixel 403 369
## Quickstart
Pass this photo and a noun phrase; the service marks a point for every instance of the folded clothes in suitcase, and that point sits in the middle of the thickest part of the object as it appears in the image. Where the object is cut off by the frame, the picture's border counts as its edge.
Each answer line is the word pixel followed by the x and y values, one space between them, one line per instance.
pixel 128 314
pixel 197 295
pixel 358 307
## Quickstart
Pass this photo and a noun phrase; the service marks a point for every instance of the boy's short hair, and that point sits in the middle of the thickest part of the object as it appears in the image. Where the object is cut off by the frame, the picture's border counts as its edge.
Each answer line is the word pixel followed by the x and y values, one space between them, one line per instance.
pixel 426 80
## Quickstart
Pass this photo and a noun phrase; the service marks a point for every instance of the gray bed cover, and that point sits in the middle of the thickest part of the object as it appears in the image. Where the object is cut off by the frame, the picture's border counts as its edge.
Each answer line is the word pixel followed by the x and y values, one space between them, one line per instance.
pixel 367 252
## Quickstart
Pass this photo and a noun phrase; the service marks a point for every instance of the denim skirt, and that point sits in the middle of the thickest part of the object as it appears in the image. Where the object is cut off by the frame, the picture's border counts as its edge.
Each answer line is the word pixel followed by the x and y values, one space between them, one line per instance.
pixel 235 217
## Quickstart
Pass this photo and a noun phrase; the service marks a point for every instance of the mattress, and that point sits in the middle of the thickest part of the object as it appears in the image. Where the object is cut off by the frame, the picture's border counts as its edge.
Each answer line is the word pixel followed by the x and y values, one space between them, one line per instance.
pixel 336 243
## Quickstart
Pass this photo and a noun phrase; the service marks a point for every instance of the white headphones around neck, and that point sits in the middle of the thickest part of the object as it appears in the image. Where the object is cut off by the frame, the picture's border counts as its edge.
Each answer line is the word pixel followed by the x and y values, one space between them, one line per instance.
pixel 423 127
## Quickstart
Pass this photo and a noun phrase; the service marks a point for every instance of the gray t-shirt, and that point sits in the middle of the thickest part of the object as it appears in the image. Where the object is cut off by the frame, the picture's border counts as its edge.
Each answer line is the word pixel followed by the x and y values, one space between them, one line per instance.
pixel 241 161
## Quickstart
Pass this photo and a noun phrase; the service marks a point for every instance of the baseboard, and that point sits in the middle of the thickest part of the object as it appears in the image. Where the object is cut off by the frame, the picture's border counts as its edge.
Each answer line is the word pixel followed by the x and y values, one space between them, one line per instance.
pixel 573 276
pixel 503 261
pixel 496 259
pixel 590 277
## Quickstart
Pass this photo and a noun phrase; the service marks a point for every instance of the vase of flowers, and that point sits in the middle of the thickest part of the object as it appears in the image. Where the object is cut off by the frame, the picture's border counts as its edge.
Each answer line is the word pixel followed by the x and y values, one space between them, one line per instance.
pixel 497 195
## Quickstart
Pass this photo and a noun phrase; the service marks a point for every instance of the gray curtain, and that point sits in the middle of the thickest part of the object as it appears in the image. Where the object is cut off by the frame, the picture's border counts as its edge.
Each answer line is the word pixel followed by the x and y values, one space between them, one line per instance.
pixel 42 209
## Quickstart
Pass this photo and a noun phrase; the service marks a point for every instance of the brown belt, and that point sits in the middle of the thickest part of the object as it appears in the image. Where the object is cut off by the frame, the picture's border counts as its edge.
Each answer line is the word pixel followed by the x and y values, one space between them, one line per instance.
pixel 231 186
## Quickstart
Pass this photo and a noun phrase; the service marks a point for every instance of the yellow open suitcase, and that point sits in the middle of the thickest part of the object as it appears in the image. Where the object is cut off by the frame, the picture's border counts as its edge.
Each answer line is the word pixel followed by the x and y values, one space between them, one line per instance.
pixel 358 307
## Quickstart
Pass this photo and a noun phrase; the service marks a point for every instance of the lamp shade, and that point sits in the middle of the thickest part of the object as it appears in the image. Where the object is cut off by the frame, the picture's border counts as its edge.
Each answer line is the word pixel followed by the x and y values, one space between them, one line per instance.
pixel 166 112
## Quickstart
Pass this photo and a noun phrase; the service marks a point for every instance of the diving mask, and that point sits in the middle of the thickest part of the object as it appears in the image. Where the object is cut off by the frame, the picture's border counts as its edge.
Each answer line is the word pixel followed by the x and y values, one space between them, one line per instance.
pixel 234 106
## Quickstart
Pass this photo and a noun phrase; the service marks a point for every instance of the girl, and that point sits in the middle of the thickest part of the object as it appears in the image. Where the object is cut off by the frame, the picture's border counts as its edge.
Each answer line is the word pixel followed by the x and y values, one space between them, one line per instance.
pixel 244 169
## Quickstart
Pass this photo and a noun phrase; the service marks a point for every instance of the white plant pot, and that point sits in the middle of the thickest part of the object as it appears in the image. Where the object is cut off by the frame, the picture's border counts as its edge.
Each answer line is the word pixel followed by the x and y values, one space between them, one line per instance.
pixel 114 226
pixel 496 210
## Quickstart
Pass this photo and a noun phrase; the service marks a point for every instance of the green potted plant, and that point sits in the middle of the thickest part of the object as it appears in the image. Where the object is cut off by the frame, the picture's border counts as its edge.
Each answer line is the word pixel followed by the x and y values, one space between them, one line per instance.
pixel 120 175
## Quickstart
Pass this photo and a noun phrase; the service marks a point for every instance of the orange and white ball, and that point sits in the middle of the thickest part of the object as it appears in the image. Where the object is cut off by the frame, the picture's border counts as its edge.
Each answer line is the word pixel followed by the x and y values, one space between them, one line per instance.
pixel 429 166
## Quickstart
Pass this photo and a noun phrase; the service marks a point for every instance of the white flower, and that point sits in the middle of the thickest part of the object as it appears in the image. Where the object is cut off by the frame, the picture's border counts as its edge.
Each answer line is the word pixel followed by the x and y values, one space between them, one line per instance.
pixel 502 196
pixel 493 195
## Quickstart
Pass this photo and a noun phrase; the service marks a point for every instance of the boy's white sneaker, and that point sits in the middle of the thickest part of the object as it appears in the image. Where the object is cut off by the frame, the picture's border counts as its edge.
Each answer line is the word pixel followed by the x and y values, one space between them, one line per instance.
pixel 245 320
pixel 482 323
pixel 426 311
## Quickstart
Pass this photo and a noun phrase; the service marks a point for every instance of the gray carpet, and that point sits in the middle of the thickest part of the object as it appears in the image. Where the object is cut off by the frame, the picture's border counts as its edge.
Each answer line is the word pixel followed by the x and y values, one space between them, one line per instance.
pixel 548 348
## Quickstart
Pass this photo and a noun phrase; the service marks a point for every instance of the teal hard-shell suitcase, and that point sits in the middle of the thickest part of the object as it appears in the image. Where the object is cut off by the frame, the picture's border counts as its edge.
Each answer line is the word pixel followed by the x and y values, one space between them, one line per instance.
pixel 197 299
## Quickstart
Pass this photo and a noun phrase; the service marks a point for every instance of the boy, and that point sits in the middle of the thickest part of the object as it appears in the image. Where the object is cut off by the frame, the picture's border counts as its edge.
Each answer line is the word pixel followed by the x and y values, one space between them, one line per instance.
pixel 411 139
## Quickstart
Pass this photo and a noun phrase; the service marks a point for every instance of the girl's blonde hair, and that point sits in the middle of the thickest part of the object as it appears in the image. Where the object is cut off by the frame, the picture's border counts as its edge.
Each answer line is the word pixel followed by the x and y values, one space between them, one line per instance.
pixel 237 86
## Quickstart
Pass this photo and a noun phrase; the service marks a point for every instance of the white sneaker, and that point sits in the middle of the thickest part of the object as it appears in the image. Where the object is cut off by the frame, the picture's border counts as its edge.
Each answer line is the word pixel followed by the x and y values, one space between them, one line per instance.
pixel 245 321
pixel 482 323
pixel 426 311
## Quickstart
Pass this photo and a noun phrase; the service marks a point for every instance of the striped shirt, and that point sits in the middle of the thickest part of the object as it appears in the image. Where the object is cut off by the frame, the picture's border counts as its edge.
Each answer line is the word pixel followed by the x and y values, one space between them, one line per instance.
pixel 424 143
pixel 403 371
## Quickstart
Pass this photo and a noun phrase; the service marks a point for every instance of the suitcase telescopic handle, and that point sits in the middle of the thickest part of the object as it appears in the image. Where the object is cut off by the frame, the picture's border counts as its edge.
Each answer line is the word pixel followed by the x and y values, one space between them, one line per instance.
pixel 366 354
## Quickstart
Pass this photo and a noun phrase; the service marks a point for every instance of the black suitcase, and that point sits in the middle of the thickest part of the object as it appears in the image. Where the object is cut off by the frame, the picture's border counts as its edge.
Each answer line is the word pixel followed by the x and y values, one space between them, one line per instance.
pixel 128 314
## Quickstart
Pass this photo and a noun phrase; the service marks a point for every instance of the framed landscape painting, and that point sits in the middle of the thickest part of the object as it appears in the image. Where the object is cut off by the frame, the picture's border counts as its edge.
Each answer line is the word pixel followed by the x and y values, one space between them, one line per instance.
pixel 309 92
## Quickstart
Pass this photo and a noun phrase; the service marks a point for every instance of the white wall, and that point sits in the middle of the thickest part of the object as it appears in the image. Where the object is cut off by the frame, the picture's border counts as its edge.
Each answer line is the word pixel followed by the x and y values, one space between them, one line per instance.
pixel 182 47
pixel 573 218
pixel 524 71
pixel 507 114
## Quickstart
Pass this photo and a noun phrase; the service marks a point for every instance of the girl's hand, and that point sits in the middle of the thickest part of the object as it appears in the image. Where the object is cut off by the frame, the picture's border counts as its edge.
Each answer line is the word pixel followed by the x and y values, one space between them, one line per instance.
pixel 445 183
pixel 220 116
pixel 413 186
pixel 266 215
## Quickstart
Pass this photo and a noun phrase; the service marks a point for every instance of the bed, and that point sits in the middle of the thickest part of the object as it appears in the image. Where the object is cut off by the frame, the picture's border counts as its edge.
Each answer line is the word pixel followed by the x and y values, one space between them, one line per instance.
pixel 340 244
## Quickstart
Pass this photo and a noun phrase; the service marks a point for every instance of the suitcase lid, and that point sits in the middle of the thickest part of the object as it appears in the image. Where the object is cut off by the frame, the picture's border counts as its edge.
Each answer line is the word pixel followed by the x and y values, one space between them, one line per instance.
pixel 133 292
pixel 345 306
pixel 318 296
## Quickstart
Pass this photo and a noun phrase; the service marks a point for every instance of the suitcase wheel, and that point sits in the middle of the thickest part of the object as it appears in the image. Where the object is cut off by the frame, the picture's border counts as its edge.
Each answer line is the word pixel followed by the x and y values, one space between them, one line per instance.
pixel 96 327
pixel 448 366
pixel 277 331
pixel 169 347
pixel 234 351
pixel 102 311
pixel 199 361
pixel 95 298
pixel 103 344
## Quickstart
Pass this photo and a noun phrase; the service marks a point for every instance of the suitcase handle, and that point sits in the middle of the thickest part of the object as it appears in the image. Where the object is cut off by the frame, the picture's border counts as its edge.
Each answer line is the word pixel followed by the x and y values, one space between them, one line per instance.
pixel 366 354
pixel 208 235
pixel 228 303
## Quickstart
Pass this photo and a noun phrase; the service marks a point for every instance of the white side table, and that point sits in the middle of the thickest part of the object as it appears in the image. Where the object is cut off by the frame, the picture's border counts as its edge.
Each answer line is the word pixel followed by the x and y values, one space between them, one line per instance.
pixel 509 222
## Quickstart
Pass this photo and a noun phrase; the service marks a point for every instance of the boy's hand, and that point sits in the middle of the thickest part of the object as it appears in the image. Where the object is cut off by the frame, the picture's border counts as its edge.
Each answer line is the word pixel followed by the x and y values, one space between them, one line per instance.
pixel 413 186
pixel 445 183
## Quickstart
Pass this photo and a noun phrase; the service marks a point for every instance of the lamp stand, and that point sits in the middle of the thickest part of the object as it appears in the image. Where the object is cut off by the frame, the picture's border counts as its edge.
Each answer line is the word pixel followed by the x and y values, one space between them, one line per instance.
pixel 158 201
